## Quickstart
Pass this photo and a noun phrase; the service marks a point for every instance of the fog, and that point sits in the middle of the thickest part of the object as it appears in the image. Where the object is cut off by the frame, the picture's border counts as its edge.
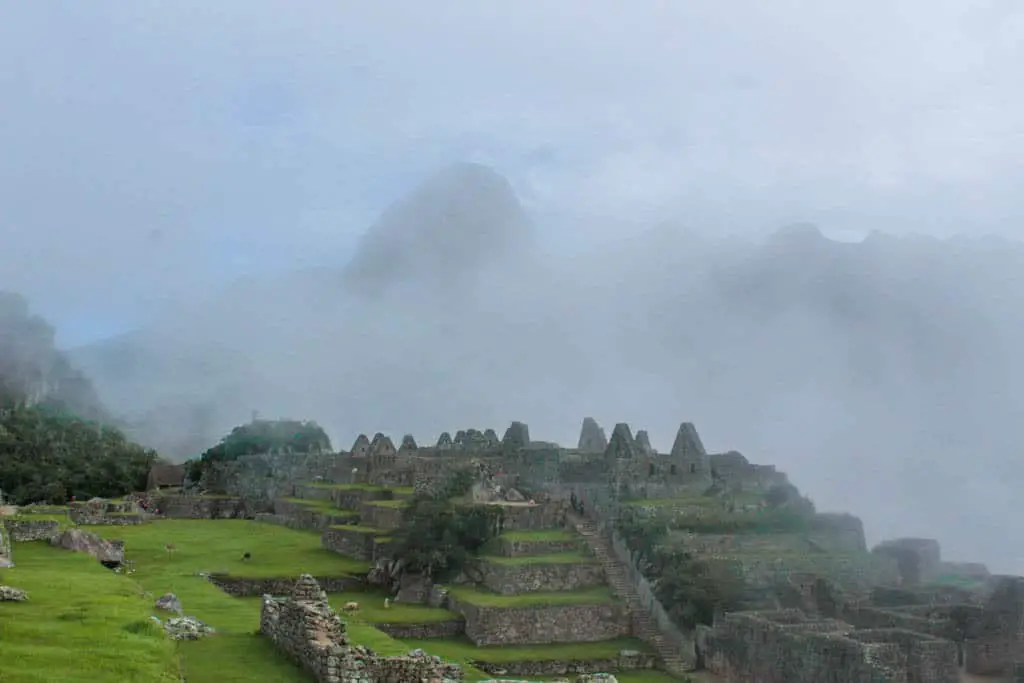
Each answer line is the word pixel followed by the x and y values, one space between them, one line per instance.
pixel 219 208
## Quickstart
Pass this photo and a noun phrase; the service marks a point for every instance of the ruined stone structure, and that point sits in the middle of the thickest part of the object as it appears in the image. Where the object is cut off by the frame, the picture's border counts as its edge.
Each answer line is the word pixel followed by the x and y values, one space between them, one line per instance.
pixel 824 615
pixel 789 647
pixel 6 556
pixel 305 629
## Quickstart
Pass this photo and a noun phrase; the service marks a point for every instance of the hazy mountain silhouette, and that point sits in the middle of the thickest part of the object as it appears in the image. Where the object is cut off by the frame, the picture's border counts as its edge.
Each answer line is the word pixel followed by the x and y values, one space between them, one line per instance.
pixel 33 370
pixel 459 223
pixel 892 363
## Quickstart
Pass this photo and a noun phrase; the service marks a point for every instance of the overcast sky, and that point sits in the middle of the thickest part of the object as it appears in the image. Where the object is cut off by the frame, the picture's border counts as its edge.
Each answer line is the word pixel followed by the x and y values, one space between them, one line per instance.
pixel 154 149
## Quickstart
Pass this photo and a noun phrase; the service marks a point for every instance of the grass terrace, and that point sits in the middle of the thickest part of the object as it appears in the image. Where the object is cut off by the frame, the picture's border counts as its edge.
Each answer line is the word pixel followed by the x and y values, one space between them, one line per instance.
pixel 397 490
pixel 392 503
pixel 592 596
pixel 359 529
pixel 217 547
pixel 553 535
pixel 550 558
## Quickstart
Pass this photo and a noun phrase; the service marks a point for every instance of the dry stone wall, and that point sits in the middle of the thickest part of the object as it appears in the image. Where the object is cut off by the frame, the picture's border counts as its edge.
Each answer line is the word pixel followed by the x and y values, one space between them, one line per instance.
pixel 208 507
pixel 359 545
pixel 441 629
pixel 786 647
pixel 524 548
pixel 241 587
pixel 537 625
pixel 305 629
pixel 31 530
pixel 514 579
pixel 628 660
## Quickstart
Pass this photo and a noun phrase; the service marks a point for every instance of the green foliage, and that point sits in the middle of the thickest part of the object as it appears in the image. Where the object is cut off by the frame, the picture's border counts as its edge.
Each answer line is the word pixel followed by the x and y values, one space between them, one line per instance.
pixel 49 456
pixel 441 538
pixel 264 436
pixel 690 590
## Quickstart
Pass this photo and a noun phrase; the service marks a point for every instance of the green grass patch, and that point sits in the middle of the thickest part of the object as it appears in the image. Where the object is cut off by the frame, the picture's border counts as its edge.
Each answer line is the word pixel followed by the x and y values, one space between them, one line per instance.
pixel 594 596
pixel 392 503
pixel 360 529
pixel 81 624
pixel 552 535
pixel 217 547
pixel 372 610
pixel 550 558
pixel 464 649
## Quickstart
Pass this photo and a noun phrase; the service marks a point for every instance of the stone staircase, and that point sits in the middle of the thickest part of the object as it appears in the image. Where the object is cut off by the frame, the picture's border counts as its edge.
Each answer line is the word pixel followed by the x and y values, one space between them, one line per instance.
pixel 622 587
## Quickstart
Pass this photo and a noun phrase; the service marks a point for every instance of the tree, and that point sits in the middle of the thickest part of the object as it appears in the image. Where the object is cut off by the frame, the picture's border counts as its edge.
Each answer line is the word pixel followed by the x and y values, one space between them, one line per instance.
pixel 263 436
pixel 442 538
pixel 49 456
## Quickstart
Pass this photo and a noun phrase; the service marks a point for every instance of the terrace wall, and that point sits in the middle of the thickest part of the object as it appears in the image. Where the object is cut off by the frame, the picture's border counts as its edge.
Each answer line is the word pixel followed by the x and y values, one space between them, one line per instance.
pixel 514 579
pixel 538 625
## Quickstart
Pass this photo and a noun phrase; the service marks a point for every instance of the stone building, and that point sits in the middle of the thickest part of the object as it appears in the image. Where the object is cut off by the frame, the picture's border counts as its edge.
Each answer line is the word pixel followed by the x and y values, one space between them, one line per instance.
pixel 304 628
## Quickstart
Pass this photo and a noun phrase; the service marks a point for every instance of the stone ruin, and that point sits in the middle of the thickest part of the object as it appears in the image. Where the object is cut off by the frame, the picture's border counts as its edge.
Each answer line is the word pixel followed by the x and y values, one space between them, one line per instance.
pixel 307 631
pixel 6 557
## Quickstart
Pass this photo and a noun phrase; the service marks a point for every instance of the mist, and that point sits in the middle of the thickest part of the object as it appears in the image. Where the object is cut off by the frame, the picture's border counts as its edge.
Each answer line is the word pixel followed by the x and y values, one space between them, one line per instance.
pixel 223 211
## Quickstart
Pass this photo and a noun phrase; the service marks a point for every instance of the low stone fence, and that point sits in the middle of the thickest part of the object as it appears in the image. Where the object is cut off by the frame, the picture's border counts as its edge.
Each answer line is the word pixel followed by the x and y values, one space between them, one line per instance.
pixel 114 519
pixel 542 624
pixel 242 587
pixel 440 629
pixel 628 660
pixel 521 548
pixel 31 530
pixel 512 579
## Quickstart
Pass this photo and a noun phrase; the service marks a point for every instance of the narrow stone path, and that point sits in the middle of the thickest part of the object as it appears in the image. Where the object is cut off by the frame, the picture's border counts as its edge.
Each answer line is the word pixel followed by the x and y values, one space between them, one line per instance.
pixel 617 576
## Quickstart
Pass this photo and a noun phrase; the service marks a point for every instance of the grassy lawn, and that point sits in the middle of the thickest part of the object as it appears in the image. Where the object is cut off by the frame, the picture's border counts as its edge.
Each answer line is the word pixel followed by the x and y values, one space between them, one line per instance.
pixel 217 547
pixel 553 535
pixel 81 624
pixel 372 611
pixel 593 596
pixel 550 558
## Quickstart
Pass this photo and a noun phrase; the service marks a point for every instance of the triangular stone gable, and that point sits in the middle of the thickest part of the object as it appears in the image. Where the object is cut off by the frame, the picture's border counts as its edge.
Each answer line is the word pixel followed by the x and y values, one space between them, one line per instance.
pixel 491 436
pixel 592 437
pixel 382 445
pixel 361 445
pixel 376 438
pixel 688 443
pixel 621 445
pixel 460 438
pixel 517 435
pixel 643 442
pixel 445 440
pixel 409 443
pixel 307 590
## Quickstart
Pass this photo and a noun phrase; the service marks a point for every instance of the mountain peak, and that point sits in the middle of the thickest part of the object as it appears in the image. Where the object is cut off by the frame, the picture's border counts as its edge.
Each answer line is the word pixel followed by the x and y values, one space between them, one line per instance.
pixel 461 219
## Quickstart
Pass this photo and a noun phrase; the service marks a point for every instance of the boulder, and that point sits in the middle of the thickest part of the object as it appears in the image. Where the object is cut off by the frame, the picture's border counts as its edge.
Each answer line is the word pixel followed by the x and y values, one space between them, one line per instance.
pixel 186 628
pixel 84 542
pixel 169 602
pixel 11 594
